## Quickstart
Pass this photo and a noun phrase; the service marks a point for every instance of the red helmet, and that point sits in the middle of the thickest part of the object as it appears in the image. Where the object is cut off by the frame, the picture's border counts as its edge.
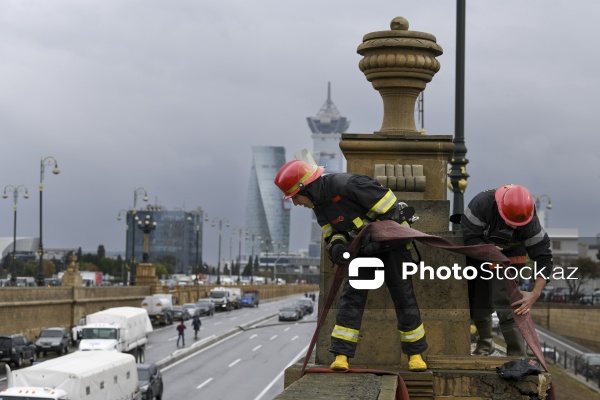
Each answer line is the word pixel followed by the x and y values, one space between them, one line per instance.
pixel 515 204
pixel 295 174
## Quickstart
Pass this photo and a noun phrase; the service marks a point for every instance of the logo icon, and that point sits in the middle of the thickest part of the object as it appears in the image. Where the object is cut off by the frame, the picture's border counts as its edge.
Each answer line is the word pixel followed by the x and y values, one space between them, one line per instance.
pixel 365 262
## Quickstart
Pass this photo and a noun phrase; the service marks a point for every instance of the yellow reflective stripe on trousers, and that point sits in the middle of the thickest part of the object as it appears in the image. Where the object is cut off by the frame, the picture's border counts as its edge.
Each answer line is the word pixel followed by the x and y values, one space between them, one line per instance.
pixel 338 237
pixel 412 336
pixel 326 231
pixel 347 334
pixel 382 205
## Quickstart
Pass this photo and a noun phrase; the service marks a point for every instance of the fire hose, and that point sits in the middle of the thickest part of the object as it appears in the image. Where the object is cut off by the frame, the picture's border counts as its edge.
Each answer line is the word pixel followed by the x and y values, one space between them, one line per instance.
pixel 384 231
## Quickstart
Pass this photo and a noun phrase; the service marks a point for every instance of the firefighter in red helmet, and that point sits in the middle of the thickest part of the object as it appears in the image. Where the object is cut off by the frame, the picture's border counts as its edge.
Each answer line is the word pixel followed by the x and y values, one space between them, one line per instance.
pixel 506 217
pixel 344 203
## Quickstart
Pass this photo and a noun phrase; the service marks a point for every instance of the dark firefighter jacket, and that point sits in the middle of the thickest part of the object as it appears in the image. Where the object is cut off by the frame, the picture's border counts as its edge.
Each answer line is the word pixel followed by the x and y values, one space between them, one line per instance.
pixel 344 203
pixel 482 223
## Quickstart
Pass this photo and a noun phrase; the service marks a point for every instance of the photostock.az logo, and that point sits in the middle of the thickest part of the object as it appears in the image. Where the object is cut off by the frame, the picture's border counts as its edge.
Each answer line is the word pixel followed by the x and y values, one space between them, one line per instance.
pixel 365 262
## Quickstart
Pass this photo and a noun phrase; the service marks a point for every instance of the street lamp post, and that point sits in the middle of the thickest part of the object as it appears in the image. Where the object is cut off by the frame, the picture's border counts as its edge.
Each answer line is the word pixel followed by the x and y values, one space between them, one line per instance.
pixel 146 225
pixel 239 231
pixel 15 190
pixel 197 219
pixel 253 235
pixel 119 217
pixel 215 221
pixel 44 161
pixel 136 192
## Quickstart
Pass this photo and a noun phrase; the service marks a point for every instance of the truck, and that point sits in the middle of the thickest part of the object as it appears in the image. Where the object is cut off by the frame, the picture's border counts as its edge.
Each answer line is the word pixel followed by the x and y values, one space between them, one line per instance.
pixel 250 298
pixel 122 329
pixel 159 308
pixel 81 375
pixel 226 298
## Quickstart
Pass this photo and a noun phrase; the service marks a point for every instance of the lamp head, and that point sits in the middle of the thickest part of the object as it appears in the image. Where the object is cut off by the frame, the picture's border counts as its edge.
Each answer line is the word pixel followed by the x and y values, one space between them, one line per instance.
pixel 55 170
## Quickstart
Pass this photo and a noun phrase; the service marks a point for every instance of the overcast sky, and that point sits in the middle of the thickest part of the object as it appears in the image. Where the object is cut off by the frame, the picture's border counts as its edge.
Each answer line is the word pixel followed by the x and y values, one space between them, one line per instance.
pixel 171 95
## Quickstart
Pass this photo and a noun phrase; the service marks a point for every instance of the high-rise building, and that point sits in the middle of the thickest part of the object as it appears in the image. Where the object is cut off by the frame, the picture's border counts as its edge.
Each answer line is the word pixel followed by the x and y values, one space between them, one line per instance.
pixel 177 238
pixel 327 128
pixel 267 215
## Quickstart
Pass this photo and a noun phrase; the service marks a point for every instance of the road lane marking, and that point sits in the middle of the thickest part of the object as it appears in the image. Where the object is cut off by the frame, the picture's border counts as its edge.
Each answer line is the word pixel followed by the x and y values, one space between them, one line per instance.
pixel 274 381
pixel 204 383
pixel 286 329
pixel 235 362
pixel 218 323
pixel 272 337
pixel 253 336
pixel 257 347
pixel 295 337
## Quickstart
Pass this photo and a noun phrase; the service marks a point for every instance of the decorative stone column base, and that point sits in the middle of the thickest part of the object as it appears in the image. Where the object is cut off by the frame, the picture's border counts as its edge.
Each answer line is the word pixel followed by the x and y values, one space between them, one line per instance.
pixel 146 276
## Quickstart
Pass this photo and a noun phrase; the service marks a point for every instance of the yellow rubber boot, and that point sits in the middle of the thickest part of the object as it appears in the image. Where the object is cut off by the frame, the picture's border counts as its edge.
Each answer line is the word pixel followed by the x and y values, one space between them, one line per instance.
pixel 340 363
pixel 416 363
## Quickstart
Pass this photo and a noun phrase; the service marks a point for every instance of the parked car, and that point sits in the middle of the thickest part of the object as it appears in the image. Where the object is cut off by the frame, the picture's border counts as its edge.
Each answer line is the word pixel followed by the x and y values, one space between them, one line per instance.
pixel 180 313
pixel 206 307
pixel 560 295
pixel 54 340
pixel 192 308
pixel 307 305
pixel 588 365
pixel 16 348
pixel 551 354
pixel 546 291
pixel 290 313
pixel 151 382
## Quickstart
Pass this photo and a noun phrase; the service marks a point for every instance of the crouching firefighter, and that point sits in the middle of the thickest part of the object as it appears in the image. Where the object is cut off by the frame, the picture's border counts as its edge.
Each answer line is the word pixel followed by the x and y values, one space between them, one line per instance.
pixel 504 217
pixel 343 204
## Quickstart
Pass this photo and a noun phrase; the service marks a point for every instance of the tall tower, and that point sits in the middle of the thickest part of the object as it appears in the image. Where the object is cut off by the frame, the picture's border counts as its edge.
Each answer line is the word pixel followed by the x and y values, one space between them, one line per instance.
pixel 327 128
pixel 267 216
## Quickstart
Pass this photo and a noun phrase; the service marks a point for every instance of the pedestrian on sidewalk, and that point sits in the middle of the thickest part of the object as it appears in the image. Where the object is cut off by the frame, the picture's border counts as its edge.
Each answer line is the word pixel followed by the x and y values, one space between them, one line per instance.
pixel 180 329
pixel 196 323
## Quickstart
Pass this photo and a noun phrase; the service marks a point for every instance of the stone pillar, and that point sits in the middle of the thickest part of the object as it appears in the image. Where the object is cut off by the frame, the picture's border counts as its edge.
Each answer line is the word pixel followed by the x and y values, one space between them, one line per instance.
pixel 399 63
pixel 146 276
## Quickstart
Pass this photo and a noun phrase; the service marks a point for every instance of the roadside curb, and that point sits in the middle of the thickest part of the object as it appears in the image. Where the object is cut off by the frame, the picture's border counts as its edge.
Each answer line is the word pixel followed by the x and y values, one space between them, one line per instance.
pixel 180 354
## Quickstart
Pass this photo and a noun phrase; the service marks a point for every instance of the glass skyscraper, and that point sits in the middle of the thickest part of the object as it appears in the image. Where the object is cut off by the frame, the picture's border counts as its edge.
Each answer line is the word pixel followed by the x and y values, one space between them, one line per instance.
pixel 267 215
pixel 327 128
pixel 175 239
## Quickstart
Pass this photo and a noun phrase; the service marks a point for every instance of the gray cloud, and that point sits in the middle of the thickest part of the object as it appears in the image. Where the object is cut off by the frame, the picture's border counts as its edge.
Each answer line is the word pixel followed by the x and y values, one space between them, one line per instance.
pixel 172 95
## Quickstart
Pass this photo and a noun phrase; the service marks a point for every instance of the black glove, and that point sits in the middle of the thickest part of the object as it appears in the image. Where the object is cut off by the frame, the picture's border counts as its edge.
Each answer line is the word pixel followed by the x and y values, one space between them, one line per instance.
pixel 337 253
pixel 368 246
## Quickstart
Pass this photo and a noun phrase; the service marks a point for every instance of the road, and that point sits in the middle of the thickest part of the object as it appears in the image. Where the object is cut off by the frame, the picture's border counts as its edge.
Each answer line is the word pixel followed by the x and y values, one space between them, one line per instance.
pixel 245 364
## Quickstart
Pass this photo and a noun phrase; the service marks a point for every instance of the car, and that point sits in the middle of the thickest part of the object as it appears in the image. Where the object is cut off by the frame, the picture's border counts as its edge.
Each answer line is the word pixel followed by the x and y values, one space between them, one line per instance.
pixel 192 308
pixel 290 313
pixel 54 340
pixel 206 307
pixel 180 313
pixel 77 331
pixel 588 365
pixel 307 304
pixel 151 382
pixel 16 348
pixel 551 354
pixel 559 295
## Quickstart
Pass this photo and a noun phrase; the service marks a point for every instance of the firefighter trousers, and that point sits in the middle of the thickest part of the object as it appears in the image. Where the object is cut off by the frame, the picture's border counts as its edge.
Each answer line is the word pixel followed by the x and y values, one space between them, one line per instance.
pixel 351 305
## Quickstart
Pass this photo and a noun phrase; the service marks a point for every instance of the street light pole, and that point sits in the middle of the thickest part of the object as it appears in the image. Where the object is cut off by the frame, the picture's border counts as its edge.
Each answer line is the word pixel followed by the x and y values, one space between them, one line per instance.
pixel 137 191
pixel 197 219
pixel 257 236
pixel 119 217
pixel 15 190
pixel 44 161
pixel 538 200
pixel 147 225
pixel 239 231
pixel 220 221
